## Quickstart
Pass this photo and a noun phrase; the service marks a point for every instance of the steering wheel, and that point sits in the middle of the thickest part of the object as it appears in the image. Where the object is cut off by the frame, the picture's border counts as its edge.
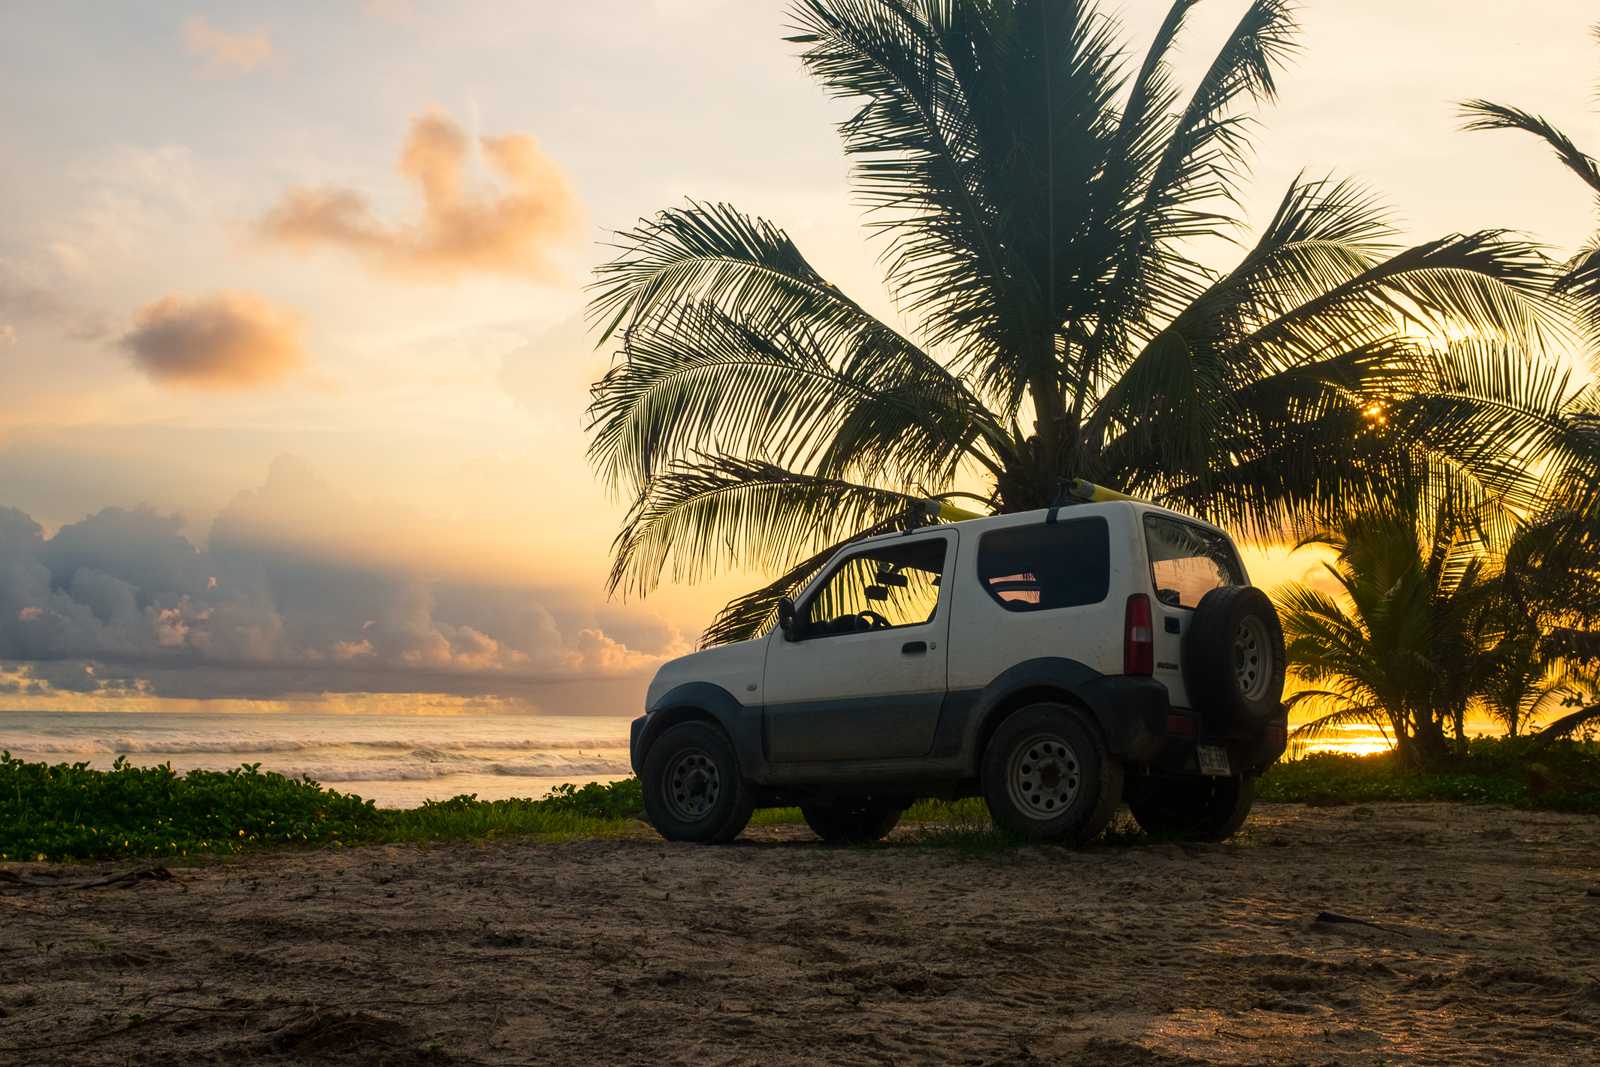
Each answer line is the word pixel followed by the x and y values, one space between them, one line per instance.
pixel 873 620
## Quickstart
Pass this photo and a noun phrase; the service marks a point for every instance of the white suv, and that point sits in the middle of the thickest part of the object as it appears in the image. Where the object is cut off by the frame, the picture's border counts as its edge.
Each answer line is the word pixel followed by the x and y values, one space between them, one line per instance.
pixel 1055 662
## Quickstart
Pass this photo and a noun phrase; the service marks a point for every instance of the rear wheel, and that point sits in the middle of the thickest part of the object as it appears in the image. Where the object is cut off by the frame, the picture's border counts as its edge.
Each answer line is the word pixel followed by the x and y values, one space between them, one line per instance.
pixel 692 787
pixel 1193 809
pixel 1047 775
pixel 852 823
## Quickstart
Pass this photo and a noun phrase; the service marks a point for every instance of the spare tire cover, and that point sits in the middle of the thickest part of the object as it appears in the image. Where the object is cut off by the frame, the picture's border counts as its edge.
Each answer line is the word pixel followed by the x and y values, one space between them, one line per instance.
pixel 1233 657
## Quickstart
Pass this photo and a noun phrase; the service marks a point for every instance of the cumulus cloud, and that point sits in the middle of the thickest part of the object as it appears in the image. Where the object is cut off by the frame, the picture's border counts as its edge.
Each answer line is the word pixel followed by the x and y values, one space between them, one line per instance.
pixel 509 231
pixel 224 52
pixel 122 602
pixel 225 340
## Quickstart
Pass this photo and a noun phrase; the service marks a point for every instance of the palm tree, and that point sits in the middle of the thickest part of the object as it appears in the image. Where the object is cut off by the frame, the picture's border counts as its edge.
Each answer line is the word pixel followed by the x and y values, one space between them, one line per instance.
pixel 1527 680
pixel 1580 277
pixel 1442 606
pixel 1545 611
pixel 1401 645
pixel 1042 204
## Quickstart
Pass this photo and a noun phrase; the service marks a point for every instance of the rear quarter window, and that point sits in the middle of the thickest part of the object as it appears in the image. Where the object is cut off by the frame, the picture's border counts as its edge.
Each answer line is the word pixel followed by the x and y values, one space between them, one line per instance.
pixel 1188 561
pixel 1039 568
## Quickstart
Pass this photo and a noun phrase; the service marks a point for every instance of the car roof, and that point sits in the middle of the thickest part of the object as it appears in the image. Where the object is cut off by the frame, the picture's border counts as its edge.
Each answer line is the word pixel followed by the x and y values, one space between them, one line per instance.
pixel 1026 518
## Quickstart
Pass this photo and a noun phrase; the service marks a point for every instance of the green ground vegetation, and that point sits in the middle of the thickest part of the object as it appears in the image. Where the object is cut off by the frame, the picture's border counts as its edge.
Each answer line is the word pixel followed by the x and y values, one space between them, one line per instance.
pixel 74 812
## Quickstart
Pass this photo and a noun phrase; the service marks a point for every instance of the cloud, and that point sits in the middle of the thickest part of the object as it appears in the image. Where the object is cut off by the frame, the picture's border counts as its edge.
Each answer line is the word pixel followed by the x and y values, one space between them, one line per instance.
pixel 225 52
pixel 31 294
pixel 510 231
pixel 123 603
pixel 226 340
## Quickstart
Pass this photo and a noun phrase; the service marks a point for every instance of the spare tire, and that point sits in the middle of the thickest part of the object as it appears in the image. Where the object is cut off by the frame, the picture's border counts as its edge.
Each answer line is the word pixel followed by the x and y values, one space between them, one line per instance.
pixel 1233 658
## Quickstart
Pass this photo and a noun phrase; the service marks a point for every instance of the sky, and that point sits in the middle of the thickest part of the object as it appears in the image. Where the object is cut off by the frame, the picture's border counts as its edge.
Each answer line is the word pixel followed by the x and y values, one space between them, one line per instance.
pixel 292 341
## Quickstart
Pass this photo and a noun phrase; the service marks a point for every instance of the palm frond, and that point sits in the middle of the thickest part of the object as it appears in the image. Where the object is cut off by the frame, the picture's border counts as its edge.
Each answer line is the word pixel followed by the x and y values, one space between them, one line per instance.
pixel 701 379
pixel 707 512
pixel 914 139
pixel 1486 115
pixel 1187 168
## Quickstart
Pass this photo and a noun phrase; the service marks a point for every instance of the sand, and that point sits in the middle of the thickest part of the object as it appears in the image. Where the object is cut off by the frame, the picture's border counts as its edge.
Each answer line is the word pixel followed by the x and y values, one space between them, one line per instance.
pixel 1486 949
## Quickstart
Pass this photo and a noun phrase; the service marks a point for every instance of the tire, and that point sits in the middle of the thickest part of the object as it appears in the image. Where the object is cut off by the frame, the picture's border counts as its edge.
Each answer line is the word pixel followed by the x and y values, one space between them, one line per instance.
pixel 1233 658
pixel 1193 809
pixel 693 790
pixel 852 822
pixel 1047 775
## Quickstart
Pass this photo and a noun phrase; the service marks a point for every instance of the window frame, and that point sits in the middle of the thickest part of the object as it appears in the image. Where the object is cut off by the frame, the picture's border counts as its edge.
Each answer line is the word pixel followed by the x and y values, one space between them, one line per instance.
pixel 1238 575
pixel 1014 607
pixel 802 607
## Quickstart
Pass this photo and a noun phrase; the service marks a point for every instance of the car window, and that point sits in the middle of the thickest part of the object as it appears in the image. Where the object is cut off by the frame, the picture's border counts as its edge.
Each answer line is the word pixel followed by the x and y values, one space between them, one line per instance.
pixel 1037 568
pixel 888 585
pixel 1188 561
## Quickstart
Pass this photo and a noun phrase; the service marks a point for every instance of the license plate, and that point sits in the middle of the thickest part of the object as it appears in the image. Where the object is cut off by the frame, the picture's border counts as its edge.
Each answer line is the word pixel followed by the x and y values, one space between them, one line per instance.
pixel 1214 760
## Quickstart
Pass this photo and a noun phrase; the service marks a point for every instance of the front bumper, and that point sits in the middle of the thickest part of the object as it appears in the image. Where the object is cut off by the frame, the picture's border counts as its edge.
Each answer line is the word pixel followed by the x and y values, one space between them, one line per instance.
pixel 635 732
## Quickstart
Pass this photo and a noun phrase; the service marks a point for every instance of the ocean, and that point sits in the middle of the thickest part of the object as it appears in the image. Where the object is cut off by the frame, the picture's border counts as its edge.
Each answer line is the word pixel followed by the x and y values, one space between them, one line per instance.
pixel 399 761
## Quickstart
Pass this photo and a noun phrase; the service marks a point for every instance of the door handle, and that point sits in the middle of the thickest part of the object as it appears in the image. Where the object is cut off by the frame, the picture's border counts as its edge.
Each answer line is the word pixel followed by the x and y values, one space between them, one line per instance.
pixel 914 648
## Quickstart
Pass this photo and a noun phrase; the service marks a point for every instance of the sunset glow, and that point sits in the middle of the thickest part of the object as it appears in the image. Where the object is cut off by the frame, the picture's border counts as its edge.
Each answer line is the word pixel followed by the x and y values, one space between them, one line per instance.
pixel 292 314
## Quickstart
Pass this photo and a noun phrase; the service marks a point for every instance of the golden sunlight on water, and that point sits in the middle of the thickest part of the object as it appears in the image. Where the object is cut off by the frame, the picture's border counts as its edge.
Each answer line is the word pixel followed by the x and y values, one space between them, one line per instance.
pixel 1352 740
pixel 1357 739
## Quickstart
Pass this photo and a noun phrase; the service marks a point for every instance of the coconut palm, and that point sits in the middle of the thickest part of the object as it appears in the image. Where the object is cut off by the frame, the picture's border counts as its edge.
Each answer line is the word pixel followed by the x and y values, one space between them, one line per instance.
pixel 1528 680
pixel 1545 613
pixel 1401 645
pixel 1043 204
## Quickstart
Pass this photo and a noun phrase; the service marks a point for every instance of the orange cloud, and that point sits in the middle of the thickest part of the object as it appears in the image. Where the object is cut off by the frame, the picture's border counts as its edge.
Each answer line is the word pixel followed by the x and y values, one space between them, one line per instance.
pixel 224 52
pixel 226 340
pixel 509 232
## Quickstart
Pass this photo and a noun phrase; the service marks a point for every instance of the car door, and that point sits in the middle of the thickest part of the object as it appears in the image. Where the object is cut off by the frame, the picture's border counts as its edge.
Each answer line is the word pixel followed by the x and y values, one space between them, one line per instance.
pixel 842 691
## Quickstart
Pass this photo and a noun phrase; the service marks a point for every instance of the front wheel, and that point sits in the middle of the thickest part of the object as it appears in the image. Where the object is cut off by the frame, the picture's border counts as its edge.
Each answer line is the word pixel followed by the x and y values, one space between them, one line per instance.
pixel 852 823
pixel 692 787
pixel 1193 809
pixel 1047 775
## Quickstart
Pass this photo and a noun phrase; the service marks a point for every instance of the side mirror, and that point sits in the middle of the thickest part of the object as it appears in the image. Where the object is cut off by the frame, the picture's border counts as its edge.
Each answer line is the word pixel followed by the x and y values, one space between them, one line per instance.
pixel 786 617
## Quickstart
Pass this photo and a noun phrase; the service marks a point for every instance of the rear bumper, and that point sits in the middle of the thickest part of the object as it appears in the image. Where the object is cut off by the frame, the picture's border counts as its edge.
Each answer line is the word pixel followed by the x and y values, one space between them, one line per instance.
pixel 1250 751
pixel 1141 727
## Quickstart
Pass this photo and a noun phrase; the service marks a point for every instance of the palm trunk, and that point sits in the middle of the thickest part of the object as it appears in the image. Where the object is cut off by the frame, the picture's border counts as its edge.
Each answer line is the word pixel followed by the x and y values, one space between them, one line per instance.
pixel 1432 748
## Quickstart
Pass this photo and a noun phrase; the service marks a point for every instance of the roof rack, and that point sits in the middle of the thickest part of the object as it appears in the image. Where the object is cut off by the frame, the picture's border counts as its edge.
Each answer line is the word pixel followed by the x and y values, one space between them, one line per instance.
pixel 1079 491
pixel 932 511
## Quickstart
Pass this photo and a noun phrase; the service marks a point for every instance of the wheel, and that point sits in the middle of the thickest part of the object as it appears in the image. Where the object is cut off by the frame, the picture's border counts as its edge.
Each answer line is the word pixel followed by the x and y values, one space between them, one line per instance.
pixel 1193 809
pixel 1047 775
pixel 852 822
pixel 1233 657
pixel 692 787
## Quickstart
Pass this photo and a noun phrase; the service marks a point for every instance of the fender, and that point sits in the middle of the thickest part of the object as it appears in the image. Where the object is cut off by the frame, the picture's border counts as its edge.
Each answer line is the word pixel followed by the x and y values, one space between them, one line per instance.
pixel 1130 711
pixel 742 724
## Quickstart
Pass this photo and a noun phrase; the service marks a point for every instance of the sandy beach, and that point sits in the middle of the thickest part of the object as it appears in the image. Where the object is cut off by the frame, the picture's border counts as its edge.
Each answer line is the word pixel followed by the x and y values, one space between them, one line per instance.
pixel 1484 948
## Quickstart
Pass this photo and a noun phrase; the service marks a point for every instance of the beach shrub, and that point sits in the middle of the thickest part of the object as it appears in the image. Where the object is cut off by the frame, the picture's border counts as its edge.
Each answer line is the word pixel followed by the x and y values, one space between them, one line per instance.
pixel 598 800
pixel 71 811
pixel 1496 770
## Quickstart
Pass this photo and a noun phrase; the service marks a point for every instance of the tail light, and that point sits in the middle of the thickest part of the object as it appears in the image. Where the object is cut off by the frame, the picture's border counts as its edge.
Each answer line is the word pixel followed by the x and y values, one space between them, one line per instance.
pixel 1138 637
